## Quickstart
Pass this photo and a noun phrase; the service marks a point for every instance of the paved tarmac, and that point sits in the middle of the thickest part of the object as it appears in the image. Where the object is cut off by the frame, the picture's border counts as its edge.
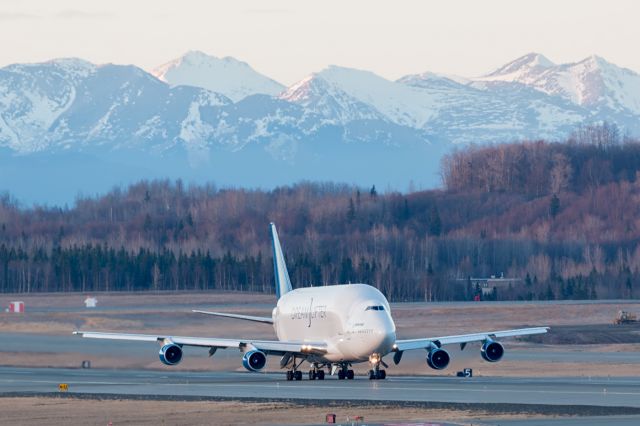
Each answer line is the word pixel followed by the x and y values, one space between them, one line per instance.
pixel 565 421
pixel 46 343
pixel 610 392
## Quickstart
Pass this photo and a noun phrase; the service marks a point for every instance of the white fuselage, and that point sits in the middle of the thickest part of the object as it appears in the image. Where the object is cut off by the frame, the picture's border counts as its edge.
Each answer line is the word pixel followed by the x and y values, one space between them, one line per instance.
pixel 354 320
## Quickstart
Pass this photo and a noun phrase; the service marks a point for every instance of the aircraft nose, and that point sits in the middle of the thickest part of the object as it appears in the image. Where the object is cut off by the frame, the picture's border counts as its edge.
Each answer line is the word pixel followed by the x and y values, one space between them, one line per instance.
pixel 385 337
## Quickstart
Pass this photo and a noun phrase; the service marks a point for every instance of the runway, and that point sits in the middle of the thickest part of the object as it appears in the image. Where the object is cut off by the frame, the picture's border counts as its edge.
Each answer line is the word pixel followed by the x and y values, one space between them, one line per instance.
pixel 43 343
pixel 604 392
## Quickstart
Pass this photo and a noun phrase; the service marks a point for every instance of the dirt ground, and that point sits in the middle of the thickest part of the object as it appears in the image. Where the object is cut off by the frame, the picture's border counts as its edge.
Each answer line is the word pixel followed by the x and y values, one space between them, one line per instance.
pixel 576 327
pixel 72 411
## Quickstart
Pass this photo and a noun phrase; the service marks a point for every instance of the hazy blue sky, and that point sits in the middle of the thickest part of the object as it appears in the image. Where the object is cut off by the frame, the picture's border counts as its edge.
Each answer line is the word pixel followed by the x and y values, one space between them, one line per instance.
pixel 288 39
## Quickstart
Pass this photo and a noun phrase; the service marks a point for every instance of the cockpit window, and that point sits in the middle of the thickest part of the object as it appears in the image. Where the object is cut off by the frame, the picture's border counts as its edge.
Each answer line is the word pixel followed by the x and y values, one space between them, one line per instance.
pixel 375 308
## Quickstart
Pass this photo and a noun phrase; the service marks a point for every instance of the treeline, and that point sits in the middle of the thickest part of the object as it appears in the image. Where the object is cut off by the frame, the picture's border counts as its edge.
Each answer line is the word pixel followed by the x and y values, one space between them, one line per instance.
pixel 563 217
pixel 593 156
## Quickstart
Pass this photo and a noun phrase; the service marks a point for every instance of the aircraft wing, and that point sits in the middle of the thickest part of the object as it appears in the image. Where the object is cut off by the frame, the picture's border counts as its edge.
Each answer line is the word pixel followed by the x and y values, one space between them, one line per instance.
pixel 405 345
pixel 265 320
pixel 270 347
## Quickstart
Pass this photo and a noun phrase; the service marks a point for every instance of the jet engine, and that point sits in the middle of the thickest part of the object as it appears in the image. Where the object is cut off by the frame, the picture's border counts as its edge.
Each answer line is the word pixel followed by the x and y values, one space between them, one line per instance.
pixel 438 359
pixel 492 351
pixel 170 354
pixel 254 360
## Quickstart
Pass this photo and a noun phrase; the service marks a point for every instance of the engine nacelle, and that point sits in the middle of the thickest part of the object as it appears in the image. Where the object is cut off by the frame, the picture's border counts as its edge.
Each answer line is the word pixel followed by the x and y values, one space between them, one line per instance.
pixel 438 359
pixel 254 360
pixel 492 351
pixel 170 354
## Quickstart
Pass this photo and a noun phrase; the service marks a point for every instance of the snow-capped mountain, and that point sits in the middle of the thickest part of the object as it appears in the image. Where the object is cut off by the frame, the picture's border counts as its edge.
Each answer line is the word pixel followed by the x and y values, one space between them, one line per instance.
pixel 234 79
pixel 441 108
pixel 70 103
pixel 593 82
pixel 525 69
pixel 33 96
pixel 74 125
pixel 345 88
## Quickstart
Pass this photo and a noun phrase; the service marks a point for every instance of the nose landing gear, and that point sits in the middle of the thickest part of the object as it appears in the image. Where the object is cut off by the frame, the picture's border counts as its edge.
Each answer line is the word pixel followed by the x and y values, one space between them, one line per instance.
pixel 376 373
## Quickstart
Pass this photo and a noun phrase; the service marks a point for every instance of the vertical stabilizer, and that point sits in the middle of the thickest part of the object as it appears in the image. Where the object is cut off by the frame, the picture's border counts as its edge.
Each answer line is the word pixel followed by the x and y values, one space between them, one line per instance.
pixel 283 283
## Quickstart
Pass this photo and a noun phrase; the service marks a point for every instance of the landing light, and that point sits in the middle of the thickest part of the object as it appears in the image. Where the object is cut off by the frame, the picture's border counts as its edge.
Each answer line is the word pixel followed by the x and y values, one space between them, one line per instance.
pixel 374 359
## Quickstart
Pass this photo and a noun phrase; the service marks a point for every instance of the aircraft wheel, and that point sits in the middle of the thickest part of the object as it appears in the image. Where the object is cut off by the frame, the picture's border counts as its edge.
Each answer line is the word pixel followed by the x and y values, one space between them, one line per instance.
pixel 312 375
pixel 350 374
pixel 382 374
pixel 320 374
pixel 372 375
pixel 289 376
pixel 297 375
pixel 341 374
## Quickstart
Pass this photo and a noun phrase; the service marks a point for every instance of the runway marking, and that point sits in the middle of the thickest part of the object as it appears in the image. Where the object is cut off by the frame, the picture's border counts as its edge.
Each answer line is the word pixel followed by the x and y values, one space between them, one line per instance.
pixel 277 386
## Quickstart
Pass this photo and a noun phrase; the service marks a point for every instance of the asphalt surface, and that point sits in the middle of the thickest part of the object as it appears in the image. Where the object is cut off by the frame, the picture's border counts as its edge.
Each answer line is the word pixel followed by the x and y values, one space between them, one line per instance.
pixel 608 392
pixel 46 343
pixel 566 421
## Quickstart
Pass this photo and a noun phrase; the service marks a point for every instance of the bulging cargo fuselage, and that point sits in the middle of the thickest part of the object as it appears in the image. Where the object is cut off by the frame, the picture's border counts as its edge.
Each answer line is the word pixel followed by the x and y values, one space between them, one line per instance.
pixel 354 320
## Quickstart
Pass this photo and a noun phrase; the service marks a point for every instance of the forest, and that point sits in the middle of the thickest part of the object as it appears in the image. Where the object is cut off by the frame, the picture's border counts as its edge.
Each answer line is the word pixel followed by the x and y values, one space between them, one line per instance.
pixel 562 217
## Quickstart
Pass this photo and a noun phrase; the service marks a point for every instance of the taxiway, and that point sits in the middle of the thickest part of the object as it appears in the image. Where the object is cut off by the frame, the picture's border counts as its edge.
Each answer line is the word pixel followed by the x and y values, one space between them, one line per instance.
pixel 604 392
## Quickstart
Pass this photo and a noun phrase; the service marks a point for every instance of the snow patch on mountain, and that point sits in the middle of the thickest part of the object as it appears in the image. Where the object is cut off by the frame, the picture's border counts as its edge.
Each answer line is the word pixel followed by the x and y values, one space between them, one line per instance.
pixel 430 80
pixel 592 82
pixel 328 100
pixel 523 69
pixel 70 103
pixel 234 79
pixel 33 97
pixel 348 94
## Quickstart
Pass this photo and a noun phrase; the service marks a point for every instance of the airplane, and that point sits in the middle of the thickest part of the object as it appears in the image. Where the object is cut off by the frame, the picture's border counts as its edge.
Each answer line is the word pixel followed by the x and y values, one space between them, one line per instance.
pixel 329 327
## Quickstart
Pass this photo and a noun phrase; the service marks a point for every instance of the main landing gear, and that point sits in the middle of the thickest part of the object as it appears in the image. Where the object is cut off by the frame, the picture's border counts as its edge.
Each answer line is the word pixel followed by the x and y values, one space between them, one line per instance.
pixel 294 373
pixel 316 373
pixel 345 372
pixel 343 369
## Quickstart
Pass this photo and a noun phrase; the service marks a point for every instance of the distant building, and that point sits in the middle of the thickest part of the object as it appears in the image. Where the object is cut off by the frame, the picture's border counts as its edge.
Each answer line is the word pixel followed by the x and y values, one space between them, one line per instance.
pixel 16 307
pixel 487 285
pixel 90 302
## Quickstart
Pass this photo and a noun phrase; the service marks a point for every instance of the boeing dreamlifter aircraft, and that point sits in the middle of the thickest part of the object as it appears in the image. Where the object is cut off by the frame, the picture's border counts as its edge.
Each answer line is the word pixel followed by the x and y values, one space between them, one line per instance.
pixel 328 327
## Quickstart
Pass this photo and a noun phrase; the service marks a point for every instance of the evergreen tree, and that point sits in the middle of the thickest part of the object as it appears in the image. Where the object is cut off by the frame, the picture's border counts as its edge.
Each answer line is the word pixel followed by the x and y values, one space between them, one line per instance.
pixel 550 295
pixel 351 211
pixel 435 224
pixel 554 206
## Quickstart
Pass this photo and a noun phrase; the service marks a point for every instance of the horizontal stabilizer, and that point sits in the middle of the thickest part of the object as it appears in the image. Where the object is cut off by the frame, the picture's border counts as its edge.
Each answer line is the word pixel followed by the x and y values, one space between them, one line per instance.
pixel 265 320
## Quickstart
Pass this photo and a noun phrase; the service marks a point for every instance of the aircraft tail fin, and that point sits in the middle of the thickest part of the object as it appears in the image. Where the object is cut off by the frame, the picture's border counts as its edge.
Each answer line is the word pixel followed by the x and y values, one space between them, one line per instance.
pixel 283 283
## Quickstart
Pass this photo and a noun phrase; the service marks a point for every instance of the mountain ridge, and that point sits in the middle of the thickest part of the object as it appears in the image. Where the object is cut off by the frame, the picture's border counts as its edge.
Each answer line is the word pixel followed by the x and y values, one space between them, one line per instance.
pixel 233 78
pixel 123 115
